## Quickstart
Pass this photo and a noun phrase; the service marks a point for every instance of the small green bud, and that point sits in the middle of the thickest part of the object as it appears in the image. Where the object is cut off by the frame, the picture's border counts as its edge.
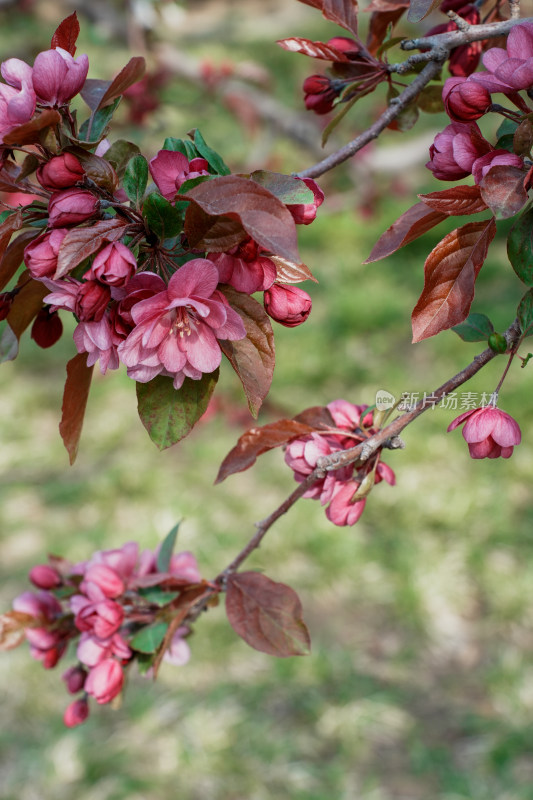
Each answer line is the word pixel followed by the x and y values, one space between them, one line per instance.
pixel 498 343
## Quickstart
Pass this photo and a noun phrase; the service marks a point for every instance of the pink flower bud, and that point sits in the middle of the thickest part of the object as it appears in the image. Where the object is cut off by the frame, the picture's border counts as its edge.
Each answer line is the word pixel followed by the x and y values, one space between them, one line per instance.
pixel 91 301
pixel 170 169
pixel 74 679
pixel 305 213
pixel 58 77
pixel 43 604
pixel 71 207
pixel 465 100
pixel 40 256
pixel 114 265
pixel 44 576
pixel 106 578
pixel 288 305
pixel 46 329
pixel 105 680
pixel 41 638
pixel 102 619
pixel 489 432
pixel 345 45
pixel 17 99
pixel 60 172
pixel 76 713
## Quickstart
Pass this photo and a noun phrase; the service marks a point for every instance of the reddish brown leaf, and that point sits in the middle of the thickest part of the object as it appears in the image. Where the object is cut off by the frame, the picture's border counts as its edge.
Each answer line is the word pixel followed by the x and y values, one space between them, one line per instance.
pixel 288 272
pixel 263 216
pixel 502 189
pixel 379 27
pixel 12 629
pixel 320 50
pixel 30 132
pixel 13 256
pixel 75 398
pixel 97 169
pixel 450 273
pixel 413 223
pixel 418 9
pixel 253 357
pixel 343 12
pixel 318 417
pixel 257 441
pixel 386 6
pixel 66 34
pixel 79 243
pixel 128 75
pixel 7 229
pixel 214 234
pixel 93 91
pixel 27 303
pixel 457 201
pixel 267 615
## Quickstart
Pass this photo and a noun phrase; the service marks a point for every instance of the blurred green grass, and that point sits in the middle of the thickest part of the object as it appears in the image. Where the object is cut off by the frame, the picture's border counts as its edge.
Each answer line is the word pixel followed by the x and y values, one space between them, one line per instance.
pixel 420 684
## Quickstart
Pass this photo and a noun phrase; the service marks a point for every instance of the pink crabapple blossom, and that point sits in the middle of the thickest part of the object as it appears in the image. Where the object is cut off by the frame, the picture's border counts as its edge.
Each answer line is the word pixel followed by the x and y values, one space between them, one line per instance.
pixel 17 96
pixel 58 77
pixel 170 169
pixel 177 330
pixel 489 432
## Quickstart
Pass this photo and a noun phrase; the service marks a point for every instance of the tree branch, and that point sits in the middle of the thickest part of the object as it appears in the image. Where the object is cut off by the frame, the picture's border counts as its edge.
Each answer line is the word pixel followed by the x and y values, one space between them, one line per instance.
pixel 386 437
pixel 429 72
pixel 439 46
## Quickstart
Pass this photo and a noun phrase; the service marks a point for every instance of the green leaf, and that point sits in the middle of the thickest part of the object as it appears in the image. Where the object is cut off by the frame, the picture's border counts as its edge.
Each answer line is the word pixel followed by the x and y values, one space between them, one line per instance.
pixel 475 328
pixel 144 662
pixel 169 415
pixel 148 639
pixel 520 247
pixel 163 219
pixel 505 134
pixel 119 155
pixel 332 124
pixel 211 156
pixel 157 596
pixel 290 191
pixel 181 146
pixel 166 549
pixel 524 313
pixel 93 129
pixel 136 179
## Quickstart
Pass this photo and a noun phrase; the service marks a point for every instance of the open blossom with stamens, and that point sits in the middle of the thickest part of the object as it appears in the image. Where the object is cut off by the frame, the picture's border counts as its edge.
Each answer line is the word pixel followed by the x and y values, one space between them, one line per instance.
pixel 177 330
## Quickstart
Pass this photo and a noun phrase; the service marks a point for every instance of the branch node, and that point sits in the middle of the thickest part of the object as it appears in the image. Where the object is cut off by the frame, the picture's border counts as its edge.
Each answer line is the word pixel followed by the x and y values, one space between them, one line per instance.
pixel 461 23
pixel 394 443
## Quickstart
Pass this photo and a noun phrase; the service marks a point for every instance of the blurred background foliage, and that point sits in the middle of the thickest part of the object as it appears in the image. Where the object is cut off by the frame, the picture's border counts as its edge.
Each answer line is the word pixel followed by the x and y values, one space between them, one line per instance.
pixel 420 684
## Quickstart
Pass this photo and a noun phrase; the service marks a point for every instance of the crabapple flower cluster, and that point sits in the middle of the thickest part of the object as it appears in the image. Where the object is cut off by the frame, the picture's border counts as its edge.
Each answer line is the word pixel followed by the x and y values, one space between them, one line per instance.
pixel 344 489
pixel 461 149
pixel 157 259
pixel 101 606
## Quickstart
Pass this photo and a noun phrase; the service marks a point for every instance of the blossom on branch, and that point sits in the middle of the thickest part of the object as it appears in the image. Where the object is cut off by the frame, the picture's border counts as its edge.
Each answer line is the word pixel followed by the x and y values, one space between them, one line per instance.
pixel 177 330
pixel 489 432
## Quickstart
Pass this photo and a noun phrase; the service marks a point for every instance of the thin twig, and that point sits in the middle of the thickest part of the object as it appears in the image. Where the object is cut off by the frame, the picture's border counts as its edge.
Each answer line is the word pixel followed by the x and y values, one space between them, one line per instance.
pixel 429 72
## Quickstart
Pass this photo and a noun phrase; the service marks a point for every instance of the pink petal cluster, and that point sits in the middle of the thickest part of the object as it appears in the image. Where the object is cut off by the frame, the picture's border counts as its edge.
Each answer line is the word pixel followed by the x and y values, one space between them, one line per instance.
pixel 177 330
pixel 244 268
pixel 338 487
pixel 17 96
pixel 511 69
pixel 58 76
pixel 461 150
pixel 489 432
pixel 170 169
pixel 102 607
